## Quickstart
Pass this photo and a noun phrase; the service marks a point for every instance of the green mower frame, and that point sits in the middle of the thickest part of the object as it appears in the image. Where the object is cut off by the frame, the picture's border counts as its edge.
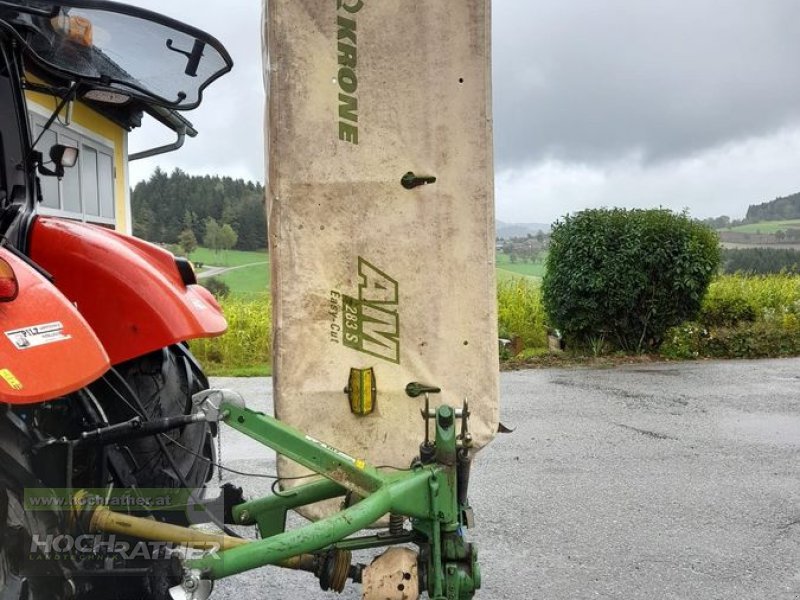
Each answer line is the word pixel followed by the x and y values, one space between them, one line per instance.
pixel 431 494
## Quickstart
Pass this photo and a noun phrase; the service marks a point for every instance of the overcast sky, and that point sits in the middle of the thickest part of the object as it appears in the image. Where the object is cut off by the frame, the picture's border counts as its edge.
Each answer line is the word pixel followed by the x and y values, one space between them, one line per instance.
pixel 683 104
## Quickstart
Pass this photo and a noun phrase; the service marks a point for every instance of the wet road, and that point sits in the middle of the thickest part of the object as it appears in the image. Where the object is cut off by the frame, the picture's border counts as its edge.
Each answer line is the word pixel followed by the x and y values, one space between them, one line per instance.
pixel 677 480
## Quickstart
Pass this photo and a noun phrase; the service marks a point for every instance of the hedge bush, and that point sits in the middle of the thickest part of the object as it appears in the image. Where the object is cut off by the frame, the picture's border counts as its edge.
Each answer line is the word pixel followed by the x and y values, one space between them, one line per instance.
pixel 623 277
pixel 727 311
pixel 761 339
pixel 219 288
pixel 742 317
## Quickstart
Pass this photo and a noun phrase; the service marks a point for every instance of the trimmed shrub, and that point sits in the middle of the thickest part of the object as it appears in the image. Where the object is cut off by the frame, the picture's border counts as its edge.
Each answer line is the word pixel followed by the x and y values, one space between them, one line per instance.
pixel 621 278
pixel 762 339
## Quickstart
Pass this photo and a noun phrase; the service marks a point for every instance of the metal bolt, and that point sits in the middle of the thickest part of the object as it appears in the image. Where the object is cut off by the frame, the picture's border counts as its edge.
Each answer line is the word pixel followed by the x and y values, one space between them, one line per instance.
pixel 244 517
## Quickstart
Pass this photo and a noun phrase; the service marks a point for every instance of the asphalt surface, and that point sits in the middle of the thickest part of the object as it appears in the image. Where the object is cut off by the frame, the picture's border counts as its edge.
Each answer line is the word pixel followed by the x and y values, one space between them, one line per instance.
pixel 676 480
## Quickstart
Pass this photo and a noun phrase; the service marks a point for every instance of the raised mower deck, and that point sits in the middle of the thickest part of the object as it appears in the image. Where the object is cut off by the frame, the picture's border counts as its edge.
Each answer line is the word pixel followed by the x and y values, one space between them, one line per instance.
pixel 381 219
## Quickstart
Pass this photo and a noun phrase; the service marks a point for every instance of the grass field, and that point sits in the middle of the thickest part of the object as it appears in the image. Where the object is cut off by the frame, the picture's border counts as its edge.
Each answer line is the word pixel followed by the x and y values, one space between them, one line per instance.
pixel 507 270
pixel 231 258
pixel 766 226
pixel 251 278
pixel 247 281
pixel 254 279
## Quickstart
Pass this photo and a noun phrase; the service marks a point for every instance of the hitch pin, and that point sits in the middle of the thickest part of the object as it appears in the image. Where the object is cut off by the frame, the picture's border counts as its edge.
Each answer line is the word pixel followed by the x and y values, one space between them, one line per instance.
pixel 426 414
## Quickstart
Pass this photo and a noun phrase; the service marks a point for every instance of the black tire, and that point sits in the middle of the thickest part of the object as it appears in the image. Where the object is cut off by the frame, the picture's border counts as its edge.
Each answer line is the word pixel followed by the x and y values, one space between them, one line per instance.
pixel 164 382
pixel 23 575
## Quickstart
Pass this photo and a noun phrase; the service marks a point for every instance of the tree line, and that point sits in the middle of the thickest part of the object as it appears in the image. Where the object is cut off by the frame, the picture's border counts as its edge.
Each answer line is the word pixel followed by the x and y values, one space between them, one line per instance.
pixel 780 209
pixel 221 211
pixel 783 208
pixel 761 261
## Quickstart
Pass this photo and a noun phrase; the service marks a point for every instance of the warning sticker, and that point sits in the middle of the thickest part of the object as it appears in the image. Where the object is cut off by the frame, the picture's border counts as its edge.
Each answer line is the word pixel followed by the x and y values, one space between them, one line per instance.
pixel 10 379
pixel 37 335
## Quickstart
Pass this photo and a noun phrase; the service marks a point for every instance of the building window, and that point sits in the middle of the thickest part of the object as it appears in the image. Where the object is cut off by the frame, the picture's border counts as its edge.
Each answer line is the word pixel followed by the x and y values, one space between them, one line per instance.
pixel 86 191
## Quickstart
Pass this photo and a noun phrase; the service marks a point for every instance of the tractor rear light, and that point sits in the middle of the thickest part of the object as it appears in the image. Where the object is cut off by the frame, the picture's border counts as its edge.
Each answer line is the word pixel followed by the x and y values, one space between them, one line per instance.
pixel 8 282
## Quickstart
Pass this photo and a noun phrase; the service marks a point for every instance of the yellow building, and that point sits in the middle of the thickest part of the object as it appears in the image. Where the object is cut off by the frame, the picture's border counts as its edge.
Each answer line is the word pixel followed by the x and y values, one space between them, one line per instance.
pixel 97 188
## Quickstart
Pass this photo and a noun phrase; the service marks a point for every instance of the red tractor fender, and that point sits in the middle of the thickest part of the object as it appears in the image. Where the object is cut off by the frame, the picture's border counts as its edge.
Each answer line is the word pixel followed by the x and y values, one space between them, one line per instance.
pixel 47 349
pixel 129 291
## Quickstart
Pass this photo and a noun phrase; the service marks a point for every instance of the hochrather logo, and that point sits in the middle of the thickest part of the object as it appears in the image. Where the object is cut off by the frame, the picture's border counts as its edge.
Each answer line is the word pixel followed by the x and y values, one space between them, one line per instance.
pixel 370 323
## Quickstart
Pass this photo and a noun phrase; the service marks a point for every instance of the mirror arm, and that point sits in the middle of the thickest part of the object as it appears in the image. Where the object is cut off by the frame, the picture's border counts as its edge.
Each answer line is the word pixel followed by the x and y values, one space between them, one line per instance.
pixel 71 94
pixel 161 149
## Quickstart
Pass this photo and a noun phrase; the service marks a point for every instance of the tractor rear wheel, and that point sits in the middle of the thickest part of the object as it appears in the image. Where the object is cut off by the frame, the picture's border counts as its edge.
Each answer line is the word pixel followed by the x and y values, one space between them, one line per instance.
pixel 164 382
pixel 25 572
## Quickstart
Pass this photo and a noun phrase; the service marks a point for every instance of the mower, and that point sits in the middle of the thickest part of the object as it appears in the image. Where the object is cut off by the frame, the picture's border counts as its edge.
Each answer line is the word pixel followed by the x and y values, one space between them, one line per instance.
pixel 107 421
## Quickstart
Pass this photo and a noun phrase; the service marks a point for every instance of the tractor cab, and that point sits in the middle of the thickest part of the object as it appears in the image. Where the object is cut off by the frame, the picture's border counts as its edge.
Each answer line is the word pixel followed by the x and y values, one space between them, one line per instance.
pixel 80 76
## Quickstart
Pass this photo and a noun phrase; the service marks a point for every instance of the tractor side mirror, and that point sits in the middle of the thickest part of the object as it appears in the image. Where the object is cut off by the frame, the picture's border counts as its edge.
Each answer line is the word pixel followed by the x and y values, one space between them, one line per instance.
pixel 62 157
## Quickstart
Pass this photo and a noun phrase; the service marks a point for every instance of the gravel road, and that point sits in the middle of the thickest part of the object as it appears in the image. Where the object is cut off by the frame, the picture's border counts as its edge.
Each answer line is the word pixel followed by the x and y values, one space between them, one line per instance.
pixel 675 480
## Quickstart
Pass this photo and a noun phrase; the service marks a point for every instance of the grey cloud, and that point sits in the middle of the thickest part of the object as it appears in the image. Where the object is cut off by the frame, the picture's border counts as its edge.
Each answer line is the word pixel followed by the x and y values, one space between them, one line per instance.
pixel 589 80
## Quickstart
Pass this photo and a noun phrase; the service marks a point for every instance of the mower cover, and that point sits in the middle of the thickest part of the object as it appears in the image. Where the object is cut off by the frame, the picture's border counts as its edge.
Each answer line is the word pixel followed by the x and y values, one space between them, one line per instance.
pixel 381 220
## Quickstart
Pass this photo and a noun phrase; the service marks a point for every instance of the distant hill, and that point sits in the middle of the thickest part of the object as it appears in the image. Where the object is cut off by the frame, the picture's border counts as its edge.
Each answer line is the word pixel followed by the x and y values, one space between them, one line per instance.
pixel 506 231
pixel 780 209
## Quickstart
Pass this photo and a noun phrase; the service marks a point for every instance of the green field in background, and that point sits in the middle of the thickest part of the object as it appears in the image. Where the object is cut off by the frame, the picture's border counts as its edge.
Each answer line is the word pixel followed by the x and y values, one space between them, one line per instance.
pixel 247 281
pixel 766 226
pixel 230 258
pixel 507 270
pixel 255 278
